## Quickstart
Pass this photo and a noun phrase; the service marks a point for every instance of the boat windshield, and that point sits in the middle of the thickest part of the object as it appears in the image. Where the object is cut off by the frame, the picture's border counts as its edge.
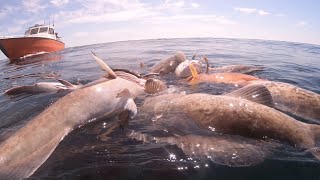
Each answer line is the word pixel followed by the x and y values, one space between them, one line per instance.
pixel 34 31
pixel 43 30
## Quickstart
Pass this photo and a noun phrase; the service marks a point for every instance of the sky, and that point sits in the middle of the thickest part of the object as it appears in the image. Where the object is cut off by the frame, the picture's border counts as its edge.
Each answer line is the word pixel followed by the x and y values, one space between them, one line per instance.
pixel 82 22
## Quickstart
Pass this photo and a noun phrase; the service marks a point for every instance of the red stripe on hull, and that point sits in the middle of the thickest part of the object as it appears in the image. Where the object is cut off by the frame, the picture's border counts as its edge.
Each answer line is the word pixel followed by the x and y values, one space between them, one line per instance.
pixel 15 48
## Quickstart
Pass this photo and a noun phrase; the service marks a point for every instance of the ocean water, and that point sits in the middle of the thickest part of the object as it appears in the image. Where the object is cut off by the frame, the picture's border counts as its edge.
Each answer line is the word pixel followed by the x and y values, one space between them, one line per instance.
pixel 88 153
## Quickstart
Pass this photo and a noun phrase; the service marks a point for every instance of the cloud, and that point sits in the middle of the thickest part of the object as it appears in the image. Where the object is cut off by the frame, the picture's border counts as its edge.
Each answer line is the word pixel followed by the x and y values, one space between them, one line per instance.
pixel 302 23
pixel 251 11
pixel 263 13
pixel 195 5
pixel 6 10
pixel 33 6
pixel 59 3
pixel 245 10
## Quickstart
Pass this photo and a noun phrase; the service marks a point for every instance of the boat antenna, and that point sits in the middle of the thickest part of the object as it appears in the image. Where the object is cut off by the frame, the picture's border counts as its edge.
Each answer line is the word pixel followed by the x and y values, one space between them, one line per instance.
pixel 53 21
pixel 49 20
pixel 44 21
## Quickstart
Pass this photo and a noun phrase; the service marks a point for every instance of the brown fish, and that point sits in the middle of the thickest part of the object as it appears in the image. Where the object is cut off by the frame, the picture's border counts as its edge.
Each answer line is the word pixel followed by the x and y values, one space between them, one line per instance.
pixel 229 114
pixel 287 98
pixel 27 149
pixel 169 64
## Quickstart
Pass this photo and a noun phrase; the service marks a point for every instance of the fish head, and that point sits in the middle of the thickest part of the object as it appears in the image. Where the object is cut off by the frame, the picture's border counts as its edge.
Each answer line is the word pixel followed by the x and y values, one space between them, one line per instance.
pixel 183 69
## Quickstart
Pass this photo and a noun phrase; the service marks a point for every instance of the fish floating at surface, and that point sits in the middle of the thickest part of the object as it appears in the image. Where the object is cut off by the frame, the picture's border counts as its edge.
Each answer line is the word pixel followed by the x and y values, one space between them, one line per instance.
pixel 168 65
pixel 27 149
pixel 288 98
pixel 42 87
pixel 231 114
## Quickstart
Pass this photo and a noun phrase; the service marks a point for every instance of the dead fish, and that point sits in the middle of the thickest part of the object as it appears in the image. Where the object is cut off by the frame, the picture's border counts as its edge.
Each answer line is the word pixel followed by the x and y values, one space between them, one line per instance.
pixel 297 101
pixel 288 98
pixel 230 150
pixel 243 69
pixel 41 87
pixel 183 69
pixel 229 114
pixel 231 78
pixel 169 64
pixel 27 149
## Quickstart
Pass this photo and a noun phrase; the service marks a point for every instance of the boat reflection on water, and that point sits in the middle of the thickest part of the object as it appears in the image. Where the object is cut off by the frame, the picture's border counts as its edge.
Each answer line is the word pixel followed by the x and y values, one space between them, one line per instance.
pixel 35 58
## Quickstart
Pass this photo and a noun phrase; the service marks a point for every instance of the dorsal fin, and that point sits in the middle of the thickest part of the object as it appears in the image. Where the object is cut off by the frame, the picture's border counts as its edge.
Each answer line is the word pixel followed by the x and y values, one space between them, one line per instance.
pixel 143 65
pixel 66 83
pixel 104 66
pixel 255 93
pixel 153 86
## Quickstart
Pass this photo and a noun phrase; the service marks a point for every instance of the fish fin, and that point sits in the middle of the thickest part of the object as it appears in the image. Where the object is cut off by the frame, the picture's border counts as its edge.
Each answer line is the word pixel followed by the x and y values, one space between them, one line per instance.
pixel 255 93
pixel 207 63
pixel 194 78
pixel 315 152
pixel 28 165
pixel 225 150
pixel 124 93
pixel 20 90
pixel 195 55
pixel 153 86
pixel 67 83
pixel 131 108
pixel 143 65
pixel 104 66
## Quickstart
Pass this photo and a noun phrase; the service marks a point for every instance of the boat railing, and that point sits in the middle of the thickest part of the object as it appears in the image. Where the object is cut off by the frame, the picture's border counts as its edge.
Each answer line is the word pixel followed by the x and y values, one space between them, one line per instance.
pixel 12 36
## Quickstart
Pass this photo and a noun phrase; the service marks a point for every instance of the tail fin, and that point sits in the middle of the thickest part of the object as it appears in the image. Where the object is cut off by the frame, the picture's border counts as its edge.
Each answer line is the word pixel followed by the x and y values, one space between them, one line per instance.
pixel 195 76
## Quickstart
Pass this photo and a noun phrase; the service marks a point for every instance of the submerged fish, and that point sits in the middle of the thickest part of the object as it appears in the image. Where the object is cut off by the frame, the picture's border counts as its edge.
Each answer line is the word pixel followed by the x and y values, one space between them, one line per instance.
pixel 26 150
pixel 230 114
pixel 230 150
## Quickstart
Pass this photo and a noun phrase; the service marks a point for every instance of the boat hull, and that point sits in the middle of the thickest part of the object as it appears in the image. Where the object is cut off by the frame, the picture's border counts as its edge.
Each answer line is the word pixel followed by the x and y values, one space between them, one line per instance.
pixel 15 48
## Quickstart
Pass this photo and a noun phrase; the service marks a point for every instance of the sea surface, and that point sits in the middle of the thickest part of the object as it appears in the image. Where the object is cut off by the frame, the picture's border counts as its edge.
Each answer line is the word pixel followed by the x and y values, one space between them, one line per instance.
pixel 91 152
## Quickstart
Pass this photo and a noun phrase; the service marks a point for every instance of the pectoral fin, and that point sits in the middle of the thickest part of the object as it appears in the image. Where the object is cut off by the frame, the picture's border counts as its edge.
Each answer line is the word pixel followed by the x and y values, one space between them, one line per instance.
pixel 255 93
pixel 67 84
pixel 104 66
pixel 195 76
pixel 125 93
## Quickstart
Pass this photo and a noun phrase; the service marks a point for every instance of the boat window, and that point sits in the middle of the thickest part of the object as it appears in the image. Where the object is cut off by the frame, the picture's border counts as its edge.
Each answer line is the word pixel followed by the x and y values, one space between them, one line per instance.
pixel 34 31
pixel 43 30
pixel 51 31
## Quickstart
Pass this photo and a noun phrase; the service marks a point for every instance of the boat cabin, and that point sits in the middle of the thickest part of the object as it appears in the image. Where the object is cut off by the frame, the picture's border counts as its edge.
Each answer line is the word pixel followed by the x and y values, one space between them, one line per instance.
pixel 46 31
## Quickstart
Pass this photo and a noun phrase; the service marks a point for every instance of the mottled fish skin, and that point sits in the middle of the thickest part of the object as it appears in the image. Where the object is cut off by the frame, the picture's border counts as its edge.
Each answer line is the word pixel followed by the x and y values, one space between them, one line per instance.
pixel 168 65
pixel 22 153
pixel 235 69
pixel 297 101
pixel 229 78
pixel 235 116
